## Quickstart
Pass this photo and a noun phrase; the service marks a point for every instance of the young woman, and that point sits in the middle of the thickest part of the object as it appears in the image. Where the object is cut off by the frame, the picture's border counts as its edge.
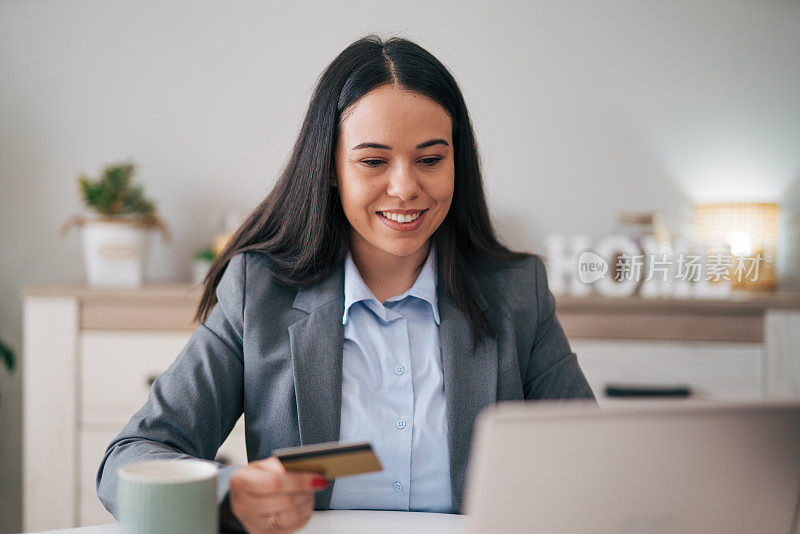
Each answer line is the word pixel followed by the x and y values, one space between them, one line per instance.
pixel 366 298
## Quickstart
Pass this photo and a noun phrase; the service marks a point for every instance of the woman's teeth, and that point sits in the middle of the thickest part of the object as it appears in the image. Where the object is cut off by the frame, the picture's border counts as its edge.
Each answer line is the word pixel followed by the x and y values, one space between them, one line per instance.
pixel 400 217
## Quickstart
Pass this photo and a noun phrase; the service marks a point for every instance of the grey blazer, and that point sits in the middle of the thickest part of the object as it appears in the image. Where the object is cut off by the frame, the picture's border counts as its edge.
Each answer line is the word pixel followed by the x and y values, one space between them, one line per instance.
pixel 275 352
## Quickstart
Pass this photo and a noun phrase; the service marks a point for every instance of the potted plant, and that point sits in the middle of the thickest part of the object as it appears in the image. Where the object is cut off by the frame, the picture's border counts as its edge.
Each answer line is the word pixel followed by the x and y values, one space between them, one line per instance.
pixel 117 238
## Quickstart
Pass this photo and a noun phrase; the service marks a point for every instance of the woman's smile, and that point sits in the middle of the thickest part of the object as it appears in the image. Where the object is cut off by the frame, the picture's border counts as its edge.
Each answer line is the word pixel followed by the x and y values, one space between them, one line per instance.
pixel 402 220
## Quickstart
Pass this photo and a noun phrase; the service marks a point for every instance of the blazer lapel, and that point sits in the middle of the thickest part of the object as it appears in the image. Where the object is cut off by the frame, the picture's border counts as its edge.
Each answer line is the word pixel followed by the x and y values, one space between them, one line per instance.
pixel 316 345
pixel 470 384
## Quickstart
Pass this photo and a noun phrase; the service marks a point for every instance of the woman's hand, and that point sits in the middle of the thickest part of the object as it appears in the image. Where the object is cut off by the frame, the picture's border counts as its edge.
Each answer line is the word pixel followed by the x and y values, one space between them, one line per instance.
pixel 264 497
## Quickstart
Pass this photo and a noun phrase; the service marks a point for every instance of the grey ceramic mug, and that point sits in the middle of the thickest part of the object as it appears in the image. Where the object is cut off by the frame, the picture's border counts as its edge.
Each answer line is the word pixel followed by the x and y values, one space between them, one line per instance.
pixel 168 496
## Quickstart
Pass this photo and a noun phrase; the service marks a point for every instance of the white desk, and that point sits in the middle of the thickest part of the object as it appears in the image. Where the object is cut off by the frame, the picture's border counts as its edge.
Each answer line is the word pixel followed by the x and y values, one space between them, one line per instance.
pixel 346 522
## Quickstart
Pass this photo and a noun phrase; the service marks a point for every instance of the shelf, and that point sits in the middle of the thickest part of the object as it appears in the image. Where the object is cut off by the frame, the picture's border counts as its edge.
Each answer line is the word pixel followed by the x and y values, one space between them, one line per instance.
pixel 739 318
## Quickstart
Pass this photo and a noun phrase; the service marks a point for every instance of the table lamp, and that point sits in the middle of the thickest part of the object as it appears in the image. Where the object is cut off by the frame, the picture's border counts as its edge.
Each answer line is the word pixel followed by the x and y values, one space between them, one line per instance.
pixel 744 235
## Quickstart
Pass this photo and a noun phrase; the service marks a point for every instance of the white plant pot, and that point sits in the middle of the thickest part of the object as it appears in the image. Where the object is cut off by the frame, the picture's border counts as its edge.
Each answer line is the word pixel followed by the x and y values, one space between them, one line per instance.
pixel 115 253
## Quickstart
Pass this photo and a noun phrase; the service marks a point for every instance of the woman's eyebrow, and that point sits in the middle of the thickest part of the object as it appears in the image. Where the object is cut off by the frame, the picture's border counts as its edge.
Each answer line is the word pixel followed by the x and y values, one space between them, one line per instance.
pixel 426 144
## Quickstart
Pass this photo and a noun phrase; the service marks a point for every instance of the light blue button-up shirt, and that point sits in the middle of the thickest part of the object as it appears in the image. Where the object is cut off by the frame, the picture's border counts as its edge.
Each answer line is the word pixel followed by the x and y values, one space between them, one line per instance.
pixel 393 396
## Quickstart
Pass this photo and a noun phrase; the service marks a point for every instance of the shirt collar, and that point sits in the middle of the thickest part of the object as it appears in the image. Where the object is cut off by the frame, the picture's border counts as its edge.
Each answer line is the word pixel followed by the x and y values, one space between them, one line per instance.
pixel 355 290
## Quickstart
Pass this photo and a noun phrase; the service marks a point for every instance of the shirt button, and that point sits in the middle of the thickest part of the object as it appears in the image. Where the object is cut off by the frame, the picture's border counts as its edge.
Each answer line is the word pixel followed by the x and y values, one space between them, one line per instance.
pixel 398 487
pixel 401 424
pixel 400 369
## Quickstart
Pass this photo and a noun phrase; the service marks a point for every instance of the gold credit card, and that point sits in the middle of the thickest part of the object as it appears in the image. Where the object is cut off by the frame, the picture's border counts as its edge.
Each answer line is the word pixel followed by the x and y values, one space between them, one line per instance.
pixel 330 459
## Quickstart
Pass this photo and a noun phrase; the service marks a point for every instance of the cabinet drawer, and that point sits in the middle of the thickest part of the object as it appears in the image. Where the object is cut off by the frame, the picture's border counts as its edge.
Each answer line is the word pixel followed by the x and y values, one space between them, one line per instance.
pixel 93 444
pixel 116 368
pixel 731 371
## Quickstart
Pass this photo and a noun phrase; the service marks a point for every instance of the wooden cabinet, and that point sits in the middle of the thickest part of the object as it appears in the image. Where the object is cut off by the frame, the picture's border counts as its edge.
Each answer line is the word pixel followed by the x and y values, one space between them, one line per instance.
pixel 745 347
pixel 90 355
pixel 116 369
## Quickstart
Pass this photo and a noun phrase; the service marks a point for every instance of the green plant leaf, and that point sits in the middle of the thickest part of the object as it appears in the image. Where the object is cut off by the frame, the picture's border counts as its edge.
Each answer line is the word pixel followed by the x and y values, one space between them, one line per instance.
pixel 205 254
pixel 7 355
pixel 114 193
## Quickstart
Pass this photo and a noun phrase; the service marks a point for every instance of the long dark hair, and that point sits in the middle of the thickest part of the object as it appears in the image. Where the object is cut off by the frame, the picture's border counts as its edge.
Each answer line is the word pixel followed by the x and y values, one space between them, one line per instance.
pixel 301 224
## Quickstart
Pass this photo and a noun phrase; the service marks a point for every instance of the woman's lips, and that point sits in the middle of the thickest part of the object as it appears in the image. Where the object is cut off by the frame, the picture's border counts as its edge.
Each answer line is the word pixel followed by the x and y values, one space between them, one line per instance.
pixel 403 227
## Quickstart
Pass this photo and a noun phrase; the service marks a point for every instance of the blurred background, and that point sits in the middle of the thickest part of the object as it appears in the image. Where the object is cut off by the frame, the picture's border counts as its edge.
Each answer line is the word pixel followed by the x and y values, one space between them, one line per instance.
pixel 584 111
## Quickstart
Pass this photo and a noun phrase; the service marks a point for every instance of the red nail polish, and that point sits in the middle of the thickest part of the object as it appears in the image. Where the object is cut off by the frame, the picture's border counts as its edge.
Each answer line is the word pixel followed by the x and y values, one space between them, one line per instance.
pixel 319 483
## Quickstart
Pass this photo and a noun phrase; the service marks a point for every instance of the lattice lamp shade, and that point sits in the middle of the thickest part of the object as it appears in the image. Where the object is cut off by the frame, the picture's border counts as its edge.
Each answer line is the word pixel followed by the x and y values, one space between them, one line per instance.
pixel 745 232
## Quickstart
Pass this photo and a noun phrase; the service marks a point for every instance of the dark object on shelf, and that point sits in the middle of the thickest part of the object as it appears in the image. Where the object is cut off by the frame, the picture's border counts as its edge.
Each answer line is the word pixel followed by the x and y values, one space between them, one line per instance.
pixel 7 355
pixel 622 390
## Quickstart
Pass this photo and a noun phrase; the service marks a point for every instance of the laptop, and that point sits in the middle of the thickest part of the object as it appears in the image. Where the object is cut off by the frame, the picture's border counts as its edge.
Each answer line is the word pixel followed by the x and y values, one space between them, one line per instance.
pixel 644 467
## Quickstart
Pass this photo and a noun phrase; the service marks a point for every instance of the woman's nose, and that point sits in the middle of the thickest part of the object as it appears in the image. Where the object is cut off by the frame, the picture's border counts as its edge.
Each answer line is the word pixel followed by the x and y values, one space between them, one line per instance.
pixel 403 183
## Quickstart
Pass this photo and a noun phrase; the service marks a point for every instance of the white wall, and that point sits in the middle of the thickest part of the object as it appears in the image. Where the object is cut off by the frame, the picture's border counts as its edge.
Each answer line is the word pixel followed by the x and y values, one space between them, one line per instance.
pixel 582 108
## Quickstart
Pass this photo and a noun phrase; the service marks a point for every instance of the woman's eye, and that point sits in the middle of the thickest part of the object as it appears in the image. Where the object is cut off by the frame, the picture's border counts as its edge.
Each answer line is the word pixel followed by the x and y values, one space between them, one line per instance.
pixel 430 162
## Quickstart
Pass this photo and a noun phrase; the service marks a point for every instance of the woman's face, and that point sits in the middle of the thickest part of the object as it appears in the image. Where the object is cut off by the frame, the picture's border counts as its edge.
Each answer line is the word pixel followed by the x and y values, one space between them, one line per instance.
pixel 394 160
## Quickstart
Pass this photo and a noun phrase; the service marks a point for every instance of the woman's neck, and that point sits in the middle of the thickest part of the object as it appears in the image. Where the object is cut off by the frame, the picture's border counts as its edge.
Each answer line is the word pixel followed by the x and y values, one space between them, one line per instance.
pixel 387 275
